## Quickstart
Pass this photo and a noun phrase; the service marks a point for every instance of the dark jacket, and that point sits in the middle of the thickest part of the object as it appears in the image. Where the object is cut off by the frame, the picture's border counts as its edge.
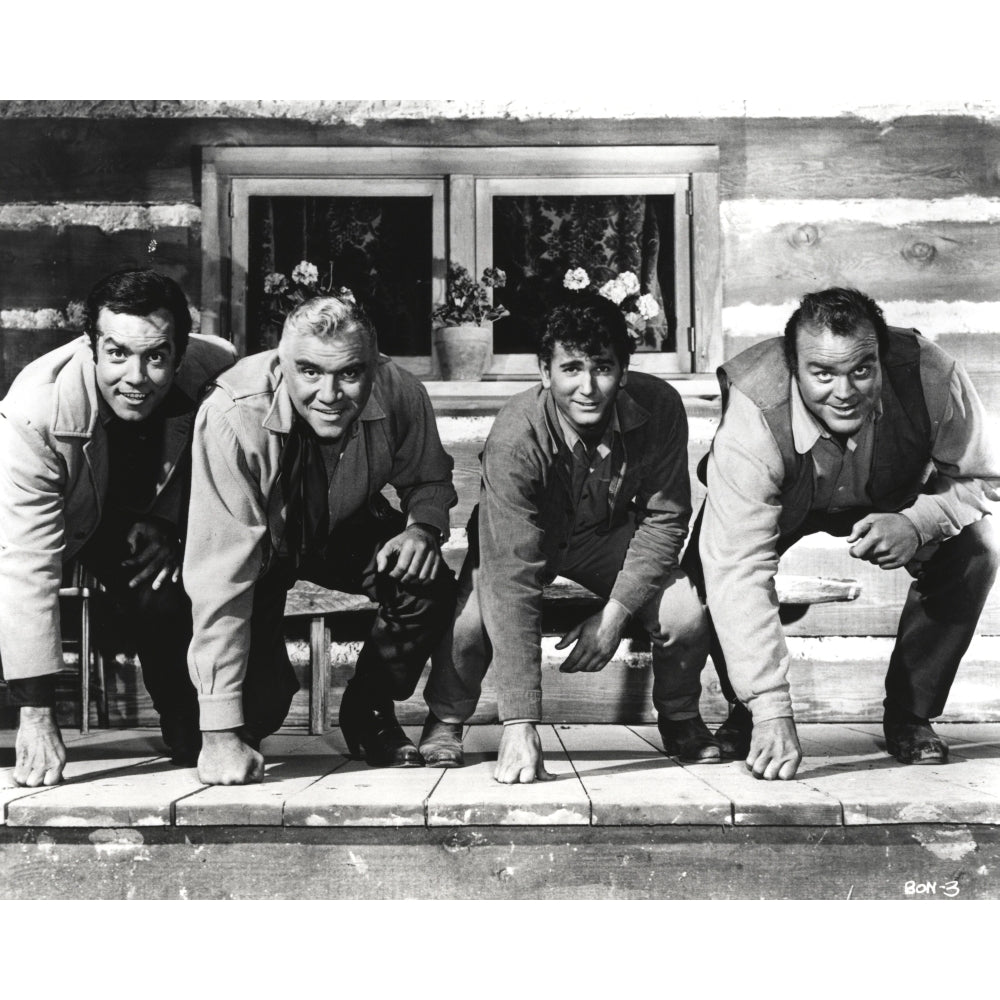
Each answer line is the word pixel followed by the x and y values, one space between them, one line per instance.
pixel 526 518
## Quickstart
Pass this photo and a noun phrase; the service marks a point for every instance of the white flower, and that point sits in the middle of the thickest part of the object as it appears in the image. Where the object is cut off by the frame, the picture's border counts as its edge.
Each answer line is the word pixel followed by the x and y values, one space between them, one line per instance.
pixel 305 273
pixel 647 306
pixel 633 319
pixel 614 290
pixel 630 281
pixel 274 283
pixel 575 279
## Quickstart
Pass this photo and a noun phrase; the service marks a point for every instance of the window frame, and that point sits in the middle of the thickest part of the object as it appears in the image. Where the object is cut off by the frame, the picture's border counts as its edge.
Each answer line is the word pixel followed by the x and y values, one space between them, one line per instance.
pixel 457 179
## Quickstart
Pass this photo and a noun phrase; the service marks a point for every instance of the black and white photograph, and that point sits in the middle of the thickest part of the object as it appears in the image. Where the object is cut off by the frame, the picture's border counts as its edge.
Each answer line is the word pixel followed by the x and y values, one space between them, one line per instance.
pixel 532 498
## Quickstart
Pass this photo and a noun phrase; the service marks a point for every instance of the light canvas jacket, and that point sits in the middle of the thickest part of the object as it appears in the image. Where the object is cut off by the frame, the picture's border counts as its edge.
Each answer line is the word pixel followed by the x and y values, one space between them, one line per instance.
pixel 54 479
pixel 237 519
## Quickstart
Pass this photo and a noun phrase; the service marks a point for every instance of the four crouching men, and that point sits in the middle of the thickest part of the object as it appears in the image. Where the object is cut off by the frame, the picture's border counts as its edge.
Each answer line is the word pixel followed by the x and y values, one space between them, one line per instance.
pixel 844 425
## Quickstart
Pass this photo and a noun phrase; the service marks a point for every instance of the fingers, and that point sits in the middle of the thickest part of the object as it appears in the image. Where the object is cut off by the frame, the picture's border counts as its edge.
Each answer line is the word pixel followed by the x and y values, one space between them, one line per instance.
pixel 385 555
pixel 570 637
pixel 860 529
pixel 541 774
pixel 526 775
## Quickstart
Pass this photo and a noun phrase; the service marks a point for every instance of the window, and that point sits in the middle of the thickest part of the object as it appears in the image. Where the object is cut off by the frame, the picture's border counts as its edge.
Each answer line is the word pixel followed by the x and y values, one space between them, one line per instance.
pixel 386 221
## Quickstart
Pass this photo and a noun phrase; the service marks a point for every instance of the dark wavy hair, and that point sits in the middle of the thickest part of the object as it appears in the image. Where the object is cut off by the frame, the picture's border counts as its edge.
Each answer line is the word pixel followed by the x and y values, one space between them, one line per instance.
pixel 840 310
pixel 139 293
pixel 588 323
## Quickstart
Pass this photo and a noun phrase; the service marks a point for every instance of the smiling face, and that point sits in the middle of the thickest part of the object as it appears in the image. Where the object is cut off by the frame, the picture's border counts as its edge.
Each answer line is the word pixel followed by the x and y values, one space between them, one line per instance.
pixel 584 387
pixel 136 360
pixel 839 376
pixel 329 379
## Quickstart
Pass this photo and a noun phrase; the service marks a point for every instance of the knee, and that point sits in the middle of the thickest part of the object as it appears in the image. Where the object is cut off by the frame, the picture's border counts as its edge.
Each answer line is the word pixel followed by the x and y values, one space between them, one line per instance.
pixel 168 603
pixel 681 616
pixel 982 547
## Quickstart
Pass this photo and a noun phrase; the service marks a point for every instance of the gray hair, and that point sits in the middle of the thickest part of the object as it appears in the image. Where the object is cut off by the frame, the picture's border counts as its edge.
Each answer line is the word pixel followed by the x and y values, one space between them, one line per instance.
pixel 327 316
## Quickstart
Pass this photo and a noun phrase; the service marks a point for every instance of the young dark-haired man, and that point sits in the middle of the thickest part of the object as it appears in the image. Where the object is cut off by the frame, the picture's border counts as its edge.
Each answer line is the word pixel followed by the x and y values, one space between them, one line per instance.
pixel 585 476
pixel 867 432
pixel 95 438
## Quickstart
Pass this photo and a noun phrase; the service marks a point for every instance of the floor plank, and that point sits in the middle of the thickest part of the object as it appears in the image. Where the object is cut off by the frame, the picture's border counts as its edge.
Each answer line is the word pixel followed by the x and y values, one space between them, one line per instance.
pixel 764 803
pixel 127 794
pixel 470 796
pixel 630 783
pixel 358 795
pixel 101 752
pixel 292 764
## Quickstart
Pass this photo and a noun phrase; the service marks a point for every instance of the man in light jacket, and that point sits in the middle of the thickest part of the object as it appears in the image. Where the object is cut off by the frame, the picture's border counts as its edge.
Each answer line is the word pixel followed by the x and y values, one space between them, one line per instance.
pixel 873 434
pixel 95 439
pixel 291 452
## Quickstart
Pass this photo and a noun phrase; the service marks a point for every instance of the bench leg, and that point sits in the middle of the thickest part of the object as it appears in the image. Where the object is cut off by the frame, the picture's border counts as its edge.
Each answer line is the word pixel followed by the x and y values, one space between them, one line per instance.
pixel 85 664
pixel 319 649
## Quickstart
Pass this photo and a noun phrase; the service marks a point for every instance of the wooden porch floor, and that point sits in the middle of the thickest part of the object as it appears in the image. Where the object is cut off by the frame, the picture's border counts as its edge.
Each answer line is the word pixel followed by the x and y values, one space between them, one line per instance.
pixel 615 796
pixel 605 776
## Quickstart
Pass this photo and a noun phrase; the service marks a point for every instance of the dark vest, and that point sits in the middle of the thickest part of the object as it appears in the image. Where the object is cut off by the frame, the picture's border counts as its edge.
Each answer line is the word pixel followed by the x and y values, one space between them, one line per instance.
pixel 902 447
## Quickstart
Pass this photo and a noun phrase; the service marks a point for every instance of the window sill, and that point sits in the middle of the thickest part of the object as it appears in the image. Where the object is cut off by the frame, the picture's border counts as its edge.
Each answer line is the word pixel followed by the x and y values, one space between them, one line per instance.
pixel 487 397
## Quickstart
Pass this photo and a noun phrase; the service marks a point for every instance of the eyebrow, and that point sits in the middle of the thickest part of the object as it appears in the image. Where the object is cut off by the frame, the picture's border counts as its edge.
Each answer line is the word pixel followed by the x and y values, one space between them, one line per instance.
pixel 108 340
pixel 867 359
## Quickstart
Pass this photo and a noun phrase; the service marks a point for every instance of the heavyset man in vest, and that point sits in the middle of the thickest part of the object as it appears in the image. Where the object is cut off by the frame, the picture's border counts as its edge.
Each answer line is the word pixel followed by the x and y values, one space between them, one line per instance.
pixel 291 452
pixel 873 434
pixel 95 438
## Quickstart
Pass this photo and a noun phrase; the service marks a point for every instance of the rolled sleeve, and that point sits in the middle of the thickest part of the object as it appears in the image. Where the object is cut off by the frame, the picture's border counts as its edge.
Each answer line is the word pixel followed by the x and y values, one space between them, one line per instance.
pixel 663 503
pixel 224 557
pixel 421 471
pixel 739 552
pixel 511 576
pixel 964 453
pixel 32 546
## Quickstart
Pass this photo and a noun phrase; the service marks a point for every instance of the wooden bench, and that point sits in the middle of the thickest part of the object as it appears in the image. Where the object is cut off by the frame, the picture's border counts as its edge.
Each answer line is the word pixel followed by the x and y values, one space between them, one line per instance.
pixel 565 603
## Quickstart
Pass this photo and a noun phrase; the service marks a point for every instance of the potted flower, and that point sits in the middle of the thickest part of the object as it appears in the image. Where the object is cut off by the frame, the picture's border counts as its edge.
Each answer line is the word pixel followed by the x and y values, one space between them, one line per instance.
pixel 463 336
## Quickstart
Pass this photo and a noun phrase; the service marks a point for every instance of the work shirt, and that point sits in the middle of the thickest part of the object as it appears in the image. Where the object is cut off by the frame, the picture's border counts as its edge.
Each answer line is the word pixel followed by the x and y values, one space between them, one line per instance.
pixel 237 520
pixel 530 510
pixel 740 535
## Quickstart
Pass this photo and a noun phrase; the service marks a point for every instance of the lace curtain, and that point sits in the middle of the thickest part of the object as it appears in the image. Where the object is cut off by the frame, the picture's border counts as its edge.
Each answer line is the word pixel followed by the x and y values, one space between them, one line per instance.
pixel 536 239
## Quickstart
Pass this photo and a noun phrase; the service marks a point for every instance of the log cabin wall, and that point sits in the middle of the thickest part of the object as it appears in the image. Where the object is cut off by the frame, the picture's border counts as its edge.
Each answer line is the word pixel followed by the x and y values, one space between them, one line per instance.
pixel 904 205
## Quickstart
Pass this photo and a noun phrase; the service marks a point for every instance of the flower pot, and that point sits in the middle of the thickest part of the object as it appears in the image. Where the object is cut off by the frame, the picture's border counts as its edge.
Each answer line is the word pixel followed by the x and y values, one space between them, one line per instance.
pixel 463 352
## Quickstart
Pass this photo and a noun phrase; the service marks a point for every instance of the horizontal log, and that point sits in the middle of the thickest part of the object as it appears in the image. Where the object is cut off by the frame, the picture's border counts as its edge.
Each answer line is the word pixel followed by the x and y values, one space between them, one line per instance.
pixel 48 267
pixel 923 262
pixel 144 159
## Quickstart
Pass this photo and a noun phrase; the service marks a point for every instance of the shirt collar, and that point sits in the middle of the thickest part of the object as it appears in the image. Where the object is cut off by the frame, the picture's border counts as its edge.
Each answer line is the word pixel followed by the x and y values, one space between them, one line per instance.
pixel 807 430
pixel 571 437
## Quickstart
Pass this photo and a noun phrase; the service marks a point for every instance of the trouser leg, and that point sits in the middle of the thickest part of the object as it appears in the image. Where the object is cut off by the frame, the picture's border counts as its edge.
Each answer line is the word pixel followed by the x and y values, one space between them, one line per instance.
pixel 411 618
pixel 156 622
pixel 462 657
pixel 679 633
pixel 270 682
pixel 675 620
pixel 939 619
pixel 691 564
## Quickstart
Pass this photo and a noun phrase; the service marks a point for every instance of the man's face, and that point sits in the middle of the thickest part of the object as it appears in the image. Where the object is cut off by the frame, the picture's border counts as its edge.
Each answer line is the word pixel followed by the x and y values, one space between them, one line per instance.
pixel 584 387
pixel 839 376
pixel 136 359
pixel 329 381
